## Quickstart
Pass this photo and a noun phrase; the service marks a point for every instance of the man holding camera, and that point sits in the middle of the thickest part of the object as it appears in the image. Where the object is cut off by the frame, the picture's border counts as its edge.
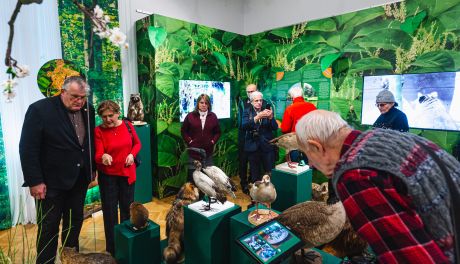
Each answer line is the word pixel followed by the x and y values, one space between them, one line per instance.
pixel 259 125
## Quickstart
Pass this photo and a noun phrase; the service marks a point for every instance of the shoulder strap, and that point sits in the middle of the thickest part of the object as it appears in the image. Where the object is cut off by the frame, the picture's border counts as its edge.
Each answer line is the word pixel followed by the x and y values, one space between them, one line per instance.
pixel 454 196
pixel 129 130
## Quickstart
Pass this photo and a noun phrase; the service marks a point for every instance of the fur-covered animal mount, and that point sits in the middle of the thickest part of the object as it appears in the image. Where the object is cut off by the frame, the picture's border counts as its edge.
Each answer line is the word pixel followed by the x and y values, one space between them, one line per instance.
pixel 174 252
pixel 139 216
pixel 71 256
pixel 136 109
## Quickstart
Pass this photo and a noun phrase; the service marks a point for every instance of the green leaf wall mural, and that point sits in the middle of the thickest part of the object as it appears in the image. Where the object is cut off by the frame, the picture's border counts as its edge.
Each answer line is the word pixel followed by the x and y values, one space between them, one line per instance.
pixel 405 37
pixel 5 213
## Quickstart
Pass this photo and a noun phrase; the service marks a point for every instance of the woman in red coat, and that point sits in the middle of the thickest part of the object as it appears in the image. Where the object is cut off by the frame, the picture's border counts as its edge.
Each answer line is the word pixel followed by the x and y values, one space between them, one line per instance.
pixel 200 130
pixel 116 147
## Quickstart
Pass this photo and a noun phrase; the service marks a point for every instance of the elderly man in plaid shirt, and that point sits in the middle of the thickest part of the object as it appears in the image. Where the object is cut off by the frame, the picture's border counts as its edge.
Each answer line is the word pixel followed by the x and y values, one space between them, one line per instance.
pixel 391 185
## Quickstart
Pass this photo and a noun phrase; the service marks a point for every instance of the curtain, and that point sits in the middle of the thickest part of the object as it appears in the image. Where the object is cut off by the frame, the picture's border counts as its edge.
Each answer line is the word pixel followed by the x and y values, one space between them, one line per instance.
pixel 36 41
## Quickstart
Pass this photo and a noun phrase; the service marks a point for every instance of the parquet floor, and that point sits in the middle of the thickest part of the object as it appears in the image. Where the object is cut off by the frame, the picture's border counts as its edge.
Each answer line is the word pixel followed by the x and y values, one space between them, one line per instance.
pixel 22 238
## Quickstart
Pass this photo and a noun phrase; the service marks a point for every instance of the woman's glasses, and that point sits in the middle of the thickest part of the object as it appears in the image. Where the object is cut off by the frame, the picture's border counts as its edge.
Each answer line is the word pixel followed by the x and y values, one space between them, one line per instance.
pixel 381 104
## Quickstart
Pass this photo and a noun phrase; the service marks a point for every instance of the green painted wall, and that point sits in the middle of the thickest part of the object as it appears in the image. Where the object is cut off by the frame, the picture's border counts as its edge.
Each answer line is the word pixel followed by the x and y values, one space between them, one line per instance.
pixel 5 211
pixel 408 37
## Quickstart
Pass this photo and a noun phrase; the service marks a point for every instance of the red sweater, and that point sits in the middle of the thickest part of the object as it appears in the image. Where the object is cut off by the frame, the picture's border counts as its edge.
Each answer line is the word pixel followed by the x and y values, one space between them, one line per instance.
pixel 195 136
pixel 117 142
pixel 294 112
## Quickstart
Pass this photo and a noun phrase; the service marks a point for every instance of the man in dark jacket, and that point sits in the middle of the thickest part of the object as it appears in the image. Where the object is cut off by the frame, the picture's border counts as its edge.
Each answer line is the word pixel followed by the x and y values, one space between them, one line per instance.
pixel 390 117
pixel 57 150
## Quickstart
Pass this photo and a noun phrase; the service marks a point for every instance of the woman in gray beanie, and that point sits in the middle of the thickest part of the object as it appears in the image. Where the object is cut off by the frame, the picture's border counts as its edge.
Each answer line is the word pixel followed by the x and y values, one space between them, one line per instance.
pixel 390 117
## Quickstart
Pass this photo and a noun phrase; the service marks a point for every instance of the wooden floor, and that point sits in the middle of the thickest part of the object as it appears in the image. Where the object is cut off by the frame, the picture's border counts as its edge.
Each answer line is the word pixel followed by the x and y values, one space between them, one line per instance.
pixel 21 238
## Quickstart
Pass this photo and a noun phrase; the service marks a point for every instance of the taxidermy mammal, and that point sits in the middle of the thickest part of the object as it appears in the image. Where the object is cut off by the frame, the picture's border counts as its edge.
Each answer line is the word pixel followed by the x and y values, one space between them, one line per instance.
pixel 139 215
pixel 71 256
pixel 135 108
pixel 187 194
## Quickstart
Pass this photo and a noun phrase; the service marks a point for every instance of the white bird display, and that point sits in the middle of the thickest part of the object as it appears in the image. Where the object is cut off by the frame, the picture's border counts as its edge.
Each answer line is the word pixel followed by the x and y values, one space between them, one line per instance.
pixel 289 143
pixel 208 186
pixel 220 178
pixel 263 192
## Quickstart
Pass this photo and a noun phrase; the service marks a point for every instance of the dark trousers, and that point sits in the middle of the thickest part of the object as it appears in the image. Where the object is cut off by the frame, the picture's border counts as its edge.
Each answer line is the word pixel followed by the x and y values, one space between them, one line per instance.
pixel 115 192
pixel 60 204
pixel 243 164
pixel 267 159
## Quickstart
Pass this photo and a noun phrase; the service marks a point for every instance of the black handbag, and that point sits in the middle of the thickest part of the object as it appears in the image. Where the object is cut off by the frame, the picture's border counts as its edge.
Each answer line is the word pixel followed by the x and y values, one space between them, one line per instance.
pixel 137 159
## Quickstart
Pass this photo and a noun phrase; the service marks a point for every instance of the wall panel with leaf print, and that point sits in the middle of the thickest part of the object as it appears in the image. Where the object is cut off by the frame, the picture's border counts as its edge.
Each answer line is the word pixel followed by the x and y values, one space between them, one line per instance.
pixel 5 213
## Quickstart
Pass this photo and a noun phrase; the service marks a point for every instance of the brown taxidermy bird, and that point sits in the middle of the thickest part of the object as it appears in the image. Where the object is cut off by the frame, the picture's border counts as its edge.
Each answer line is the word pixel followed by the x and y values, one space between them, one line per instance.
pixel 263 192
pixel 139 215
pixel 289 143
pixel 348 243
pixel 187 194
pixel 135 108
pixel 316 223
pixel 71 256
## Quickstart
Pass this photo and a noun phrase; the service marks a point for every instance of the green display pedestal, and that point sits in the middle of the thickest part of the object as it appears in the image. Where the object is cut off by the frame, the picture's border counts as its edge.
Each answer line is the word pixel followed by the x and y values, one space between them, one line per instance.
pixel 206 239
pixel 239 224
pixel 328 258
pixel 291 188
pixel 137 247
pixel 143 188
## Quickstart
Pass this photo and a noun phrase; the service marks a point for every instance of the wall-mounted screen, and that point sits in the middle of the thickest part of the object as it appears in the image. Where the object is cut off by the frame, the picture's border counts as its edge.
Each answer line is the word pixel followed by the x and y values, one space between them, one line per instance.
pixel 429 100
pixel 218 92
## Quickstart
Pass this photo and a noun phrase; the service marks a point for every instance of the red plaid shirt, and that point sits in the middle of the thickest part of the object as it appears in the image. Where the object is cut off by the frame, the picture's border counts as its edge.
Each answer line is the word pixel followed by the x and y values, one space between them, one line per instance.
pixel 380 210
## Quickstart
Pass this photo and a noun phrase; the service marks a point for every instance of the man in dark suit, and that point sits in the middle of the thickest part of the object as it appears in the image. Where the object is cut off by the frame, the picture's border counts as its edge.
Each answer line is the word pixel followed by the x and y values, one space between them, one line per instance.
pixel 57 158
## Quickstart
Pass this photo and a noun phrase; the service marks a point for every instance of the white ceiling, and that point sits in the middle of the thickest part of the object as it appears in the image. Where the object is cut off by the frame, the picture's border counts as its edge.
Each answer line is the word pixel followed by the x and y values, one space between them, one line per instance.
pixel 250 16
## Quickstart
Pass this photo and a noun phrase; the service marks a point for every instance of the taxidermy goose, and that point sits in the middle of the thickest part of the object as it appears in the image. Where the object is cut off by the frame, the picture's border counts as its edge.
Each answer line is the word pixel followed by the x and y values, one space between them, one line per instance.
pixel 208 186
pixel 289 143
pixel 262 192
pixel 316 223
pixel 220 178
pixel 348 243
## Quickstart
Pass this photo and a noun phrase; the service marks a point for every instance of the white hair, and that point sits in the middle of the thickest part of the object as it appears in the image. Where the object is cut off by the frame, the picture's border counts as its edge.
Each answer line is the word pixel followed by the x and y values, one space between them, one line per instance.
pixel 295 91
pixel 254 94
pixel 319 125
pixel 83 85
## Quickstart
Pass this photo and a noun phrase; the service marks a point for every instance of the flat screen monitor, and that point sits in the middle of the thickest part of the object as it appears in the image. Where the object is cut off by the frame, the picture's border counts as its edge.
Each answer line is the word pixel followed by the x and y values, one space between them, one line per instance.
pixel 271 242
pixel 218 92
pixel 429 100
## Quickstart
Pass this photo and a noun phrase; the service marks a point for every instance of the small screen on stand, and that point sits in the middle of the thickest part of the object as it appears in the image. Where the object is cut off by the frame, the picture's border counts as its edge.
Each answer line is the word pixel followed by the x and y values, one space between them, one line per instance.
pixel 271 242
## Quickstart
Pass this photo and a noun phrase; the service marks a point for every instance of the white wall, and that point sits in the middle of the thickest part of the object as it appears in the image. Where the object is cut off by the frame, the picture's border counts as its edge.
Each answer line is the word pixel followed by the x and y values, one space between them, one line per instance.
pixel 262 15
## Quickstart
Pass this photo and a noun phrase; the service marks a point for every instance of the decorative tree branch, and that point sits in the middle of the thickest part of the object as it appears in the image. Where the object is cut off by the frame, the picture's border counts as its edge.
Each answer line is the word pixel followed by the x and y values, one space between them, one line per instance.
pixel 9 61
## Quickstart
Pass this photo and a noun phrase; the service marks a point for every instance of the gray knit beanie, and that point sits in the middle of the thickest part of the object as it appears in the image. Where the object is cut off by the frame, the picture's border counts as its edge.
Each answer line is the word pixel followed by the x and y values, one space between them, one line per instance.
pixel 385 96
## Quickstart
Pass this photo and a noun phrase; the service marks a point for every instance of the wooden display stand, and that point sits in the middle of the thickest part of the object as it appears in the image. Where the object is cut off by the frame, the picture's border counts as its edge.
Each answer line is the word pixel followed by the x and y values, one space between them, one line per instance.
pixel 206 238
pixel 239 224
pixel 137 247
pixel 292 186
pixel 143 188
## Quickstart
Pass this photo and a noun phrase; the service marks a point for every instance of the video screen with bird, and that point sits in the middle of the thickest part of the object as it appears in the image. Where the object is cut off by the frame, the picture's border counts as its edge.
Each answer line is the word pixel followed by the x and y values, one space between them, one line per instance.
pixel 429 100
pixel 270 242
pixel 218 92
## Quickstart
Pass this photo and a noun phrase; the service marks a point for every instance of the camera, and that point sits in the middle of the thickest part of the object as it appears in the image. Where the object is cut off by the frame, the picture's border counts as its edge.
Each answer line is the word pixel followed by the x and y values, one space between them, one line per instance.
pixel 255 133
pixel 268 106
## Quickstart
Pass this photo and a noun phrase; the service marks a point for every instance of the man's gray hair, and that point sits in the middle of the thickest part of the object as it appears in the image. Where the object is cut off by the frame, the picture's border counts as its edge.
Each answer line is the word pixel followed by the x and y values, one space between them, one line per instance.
pixel 254 94
pixel 295 91
pixel 79 80
pixel 320 125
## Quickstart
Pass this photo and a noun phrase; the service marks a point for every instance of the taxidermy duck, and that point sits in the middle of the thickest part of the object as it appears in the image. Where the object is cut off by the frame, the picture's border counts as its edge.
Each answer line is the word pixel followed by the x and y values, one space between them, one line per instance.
pixel 319 192
pixel 289 143
pixel 208 186
pixel 263 192
pixel 316 223
pixel 220 178
pixel 173 253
